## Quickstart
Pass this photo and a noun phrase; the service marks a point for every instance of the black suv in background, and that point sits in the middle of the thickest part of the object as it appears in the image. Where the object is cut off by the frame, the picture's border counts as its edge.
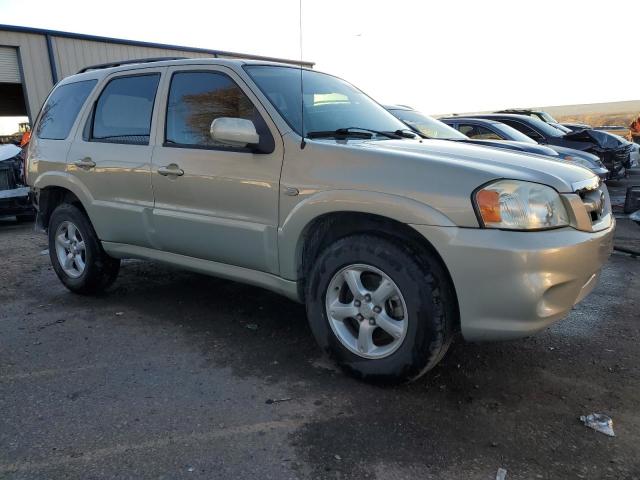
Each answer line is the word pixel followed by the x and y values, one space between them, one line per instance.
pixel 615 154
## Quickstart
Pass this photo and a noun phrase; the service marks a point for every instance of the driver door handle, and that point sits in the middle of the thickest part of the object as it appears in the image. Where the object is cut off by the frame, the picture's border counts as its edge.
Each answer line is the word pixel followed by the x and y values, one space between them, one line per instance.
pixel 85 162
pixel 172 169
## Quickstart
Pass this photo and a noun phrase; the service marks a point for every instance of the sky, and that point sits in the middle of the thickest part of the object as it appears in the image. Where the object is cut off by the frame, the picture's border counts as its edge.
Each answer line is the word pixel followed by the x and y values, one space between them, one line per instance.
pixel 436 56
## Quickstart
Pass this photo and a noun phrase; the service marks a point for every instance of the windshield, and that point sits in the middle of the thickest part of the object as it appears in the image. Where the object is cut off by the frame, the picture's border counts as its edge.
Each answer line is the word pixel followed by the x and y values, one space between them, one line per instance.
pixel 548 130
pixel 329 103
pixel 546 117
pixel 510 133
pixel 428 126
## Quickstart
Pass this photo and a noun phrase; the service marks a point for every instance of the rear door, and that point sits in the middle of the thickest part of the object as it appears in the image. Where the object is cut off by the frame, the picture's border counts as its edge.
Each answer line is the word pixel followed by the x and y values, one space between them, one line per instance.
pixel 111 155
pixel 221 202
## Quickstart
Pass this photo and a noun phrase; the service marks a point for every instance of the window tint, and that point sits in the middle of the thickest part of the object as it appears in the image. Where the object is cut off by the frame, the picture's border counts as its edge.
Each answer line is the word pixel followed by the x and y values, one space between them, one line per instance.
pixel 197 98
pixel 522 128
pixel 329 103
pixel 62 108
pixel 479 133
pixel 538 125
pixel 426 125
pixel 123 111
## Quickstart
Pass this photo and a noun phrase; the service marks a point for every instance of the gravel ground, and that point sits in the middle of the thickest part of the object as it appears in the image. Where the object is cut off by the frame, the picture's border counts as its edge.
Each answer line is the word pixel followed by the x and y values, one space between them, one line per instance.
pixel 176 375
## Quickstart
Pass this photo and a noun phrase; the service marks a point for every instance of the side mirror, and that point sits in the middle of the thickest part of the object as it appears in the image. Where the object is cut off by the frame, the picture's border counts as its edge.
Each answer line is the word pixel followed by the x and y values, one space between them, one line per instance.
pixel 235 132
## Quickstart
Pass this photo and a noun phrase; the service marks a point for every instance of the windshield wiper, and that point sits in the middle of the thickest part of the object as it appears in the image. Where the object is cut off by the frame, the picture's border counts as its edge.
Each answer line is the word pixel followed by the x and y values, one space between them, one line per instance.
pixel 357 132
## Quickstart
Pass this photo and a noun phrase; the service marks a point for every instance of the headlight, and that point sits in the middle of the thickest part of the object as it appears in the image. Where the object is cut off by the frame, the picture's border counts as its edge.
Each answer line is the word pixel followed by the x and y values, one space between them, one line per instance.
pixel 518 205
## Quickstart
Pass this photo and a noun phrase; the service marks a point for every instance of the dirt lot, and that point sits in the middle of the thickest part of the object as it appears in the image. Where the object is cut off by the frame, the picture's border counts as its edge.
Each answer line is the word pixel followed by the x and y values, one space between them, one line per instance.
pixel 174 375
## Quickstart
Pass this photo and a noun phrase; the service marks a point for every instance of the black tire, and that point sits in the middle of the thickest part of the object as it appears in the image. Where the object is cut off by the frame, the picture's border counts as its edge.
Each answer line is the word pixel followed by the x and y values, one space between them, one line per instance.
pixel 100 270
pixel 429 298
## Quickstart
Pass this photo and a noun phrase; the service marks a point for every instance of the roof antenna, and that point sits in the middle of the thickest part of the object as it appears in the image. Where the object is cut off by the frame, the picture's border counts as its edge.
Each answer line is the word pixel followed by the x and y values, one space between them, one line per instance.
pixel 303 142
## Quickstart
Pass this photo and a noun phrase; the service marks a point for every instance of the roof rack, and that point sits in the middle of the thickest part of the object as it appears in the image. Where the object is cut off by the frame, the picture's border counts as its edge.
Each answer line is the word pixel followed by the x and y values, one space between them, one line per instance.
pixel 129 62
pixel 510 110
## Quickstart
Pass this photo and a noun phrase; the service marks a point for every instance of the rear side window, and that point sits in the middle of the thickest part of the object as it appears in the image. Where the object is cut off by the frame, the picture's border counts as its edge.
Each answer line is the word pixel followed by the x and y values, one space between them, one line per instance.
pixel 123 112
pixel 61 109
pixel 478 132
pixel 196 99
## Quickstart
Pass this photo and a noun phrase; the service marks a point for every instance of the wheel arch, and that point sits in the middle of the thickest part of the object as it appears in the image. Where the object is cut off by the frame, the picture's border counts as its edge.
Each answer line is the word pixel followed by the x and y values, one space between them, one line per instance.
pixel 295 229
pixel 55 188
pixel 330 227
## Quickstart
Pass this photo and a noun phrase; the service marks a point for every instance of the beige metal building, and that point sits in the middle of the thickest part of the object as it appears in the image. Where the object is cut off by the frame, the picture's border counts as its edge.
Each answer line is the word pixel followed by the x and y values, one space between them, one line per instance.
pixel 32 60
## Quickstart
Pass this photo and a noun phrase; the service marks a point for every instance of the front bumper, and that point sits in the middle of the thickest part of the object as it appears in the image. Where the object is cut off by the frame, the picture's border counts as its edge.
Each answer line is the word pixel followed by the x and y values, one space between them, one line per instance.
pixel 514 284
pixel 15 201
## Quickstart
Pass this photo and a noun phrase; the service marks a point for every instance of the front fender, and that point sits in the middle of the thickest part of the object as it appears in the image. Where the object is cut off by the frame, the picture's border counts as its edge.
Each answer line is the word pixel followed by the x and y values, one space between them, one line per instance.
pixel 401 209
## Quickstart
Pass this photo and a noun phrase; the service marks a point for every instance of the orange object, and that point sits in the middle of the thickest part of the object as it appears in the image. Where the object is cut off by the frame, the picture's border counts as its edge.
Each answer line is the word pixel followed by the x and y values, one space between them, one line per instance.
pixel 489 205
pixel 26 136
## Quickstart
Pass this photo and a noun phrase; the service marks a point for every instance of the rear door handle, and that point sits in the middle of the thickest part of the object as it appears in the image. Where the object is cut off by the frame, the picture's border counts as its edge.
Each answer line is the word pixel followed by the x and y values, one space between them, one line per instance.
pixel 85 162
pixel 171 169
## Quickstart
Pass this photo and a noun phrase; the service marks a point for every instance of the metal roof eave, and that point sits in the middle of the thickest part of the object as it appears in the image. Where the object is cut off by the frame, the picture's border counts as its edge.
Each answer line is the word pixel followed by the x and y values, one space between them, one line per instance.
pixel 138 43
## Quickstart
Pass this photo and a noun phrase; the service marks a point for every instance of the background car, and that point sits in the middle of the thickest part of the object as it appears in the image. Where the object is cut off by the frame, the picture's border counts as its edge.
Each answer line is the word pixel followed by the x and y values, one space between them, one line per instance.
pixel 429 127
pixel 14 193
pixel 480 128
pixel 614 154
pixel 539 114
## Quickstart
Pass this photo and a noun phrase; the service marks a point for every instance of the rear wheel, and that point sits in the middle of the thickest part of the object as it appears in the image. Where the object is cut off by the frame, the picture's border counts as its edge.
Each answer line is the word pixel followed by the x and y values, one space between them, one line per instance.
pixel 76 253
pixel 382 311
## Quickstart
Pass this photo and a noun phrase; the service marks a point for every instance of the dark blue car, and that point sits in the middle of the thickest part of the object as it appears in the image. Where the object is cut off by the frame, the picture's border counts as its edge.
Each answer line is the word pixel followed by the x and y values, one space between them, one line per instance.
pixel 615 155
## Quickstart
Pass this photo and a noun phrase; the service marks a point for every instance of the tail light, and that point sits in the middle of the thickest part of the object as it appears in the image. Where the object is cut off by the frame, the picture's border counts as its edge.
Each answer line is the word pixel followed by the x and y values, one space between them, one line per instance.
pixel 24 144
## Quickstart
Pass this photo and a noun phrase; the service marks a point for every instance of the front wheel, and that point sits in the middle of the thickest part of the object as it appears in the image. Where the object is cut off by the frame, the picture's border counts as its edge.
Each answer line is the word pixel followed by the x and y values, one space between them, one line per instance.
pixel 76 253
pixel 383 312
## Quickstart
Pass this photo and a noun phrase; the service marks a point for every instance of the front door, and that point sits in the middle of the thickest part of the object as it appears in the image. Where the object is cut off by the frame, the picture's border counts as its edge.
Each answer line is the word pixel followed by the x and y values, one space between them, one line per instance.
pixel 213 201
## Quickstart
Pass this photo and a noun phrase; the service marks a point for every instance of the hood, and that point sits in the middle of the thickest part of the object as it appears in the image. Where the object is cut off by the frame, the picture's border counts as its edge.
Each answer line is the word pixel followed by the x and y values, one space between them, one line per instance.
pixel 495 163
pixel 589 157
pixel 8 152
pixel 600 138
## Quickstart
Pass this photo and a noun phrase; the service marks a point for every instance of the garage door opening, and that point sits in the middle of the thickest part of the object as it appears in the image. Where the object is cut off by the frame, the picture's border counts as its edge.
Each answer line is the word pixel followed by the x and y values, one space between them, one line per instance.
pixel 12 101
pixel 13 113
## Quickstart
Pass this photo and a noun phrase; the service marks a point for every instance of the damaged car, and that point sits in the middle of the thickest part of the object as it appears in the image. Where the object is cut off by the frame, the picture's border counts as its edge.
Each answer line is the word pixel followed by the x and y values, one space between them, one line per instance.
pixel 615 155
pixel 496 135
pixel 14 193
pixel 480 129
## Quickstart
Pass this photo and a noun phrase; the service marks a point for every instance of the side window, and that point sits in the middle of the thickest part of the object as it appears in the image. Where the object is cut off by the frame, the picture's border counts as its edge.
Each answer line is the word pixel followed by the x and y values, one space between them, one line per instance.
pixel 196 99
pixel 522 128
pixel 62 108
pixel 123 112
pixel 478 132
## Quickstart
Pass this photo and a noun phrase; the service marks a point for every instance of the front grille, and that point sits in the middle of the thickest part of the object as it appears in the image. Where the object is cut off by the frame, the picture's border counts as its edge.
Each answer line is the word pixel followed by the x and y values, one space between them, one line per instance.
pixel 595 203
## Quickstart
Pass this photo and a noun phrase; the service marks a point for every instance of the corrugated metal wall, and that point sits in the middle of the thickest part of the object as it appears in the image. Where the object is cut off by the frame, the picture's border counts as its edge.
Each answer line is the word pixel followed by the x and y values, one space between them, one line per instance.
pixel 72 54
pixel 32 53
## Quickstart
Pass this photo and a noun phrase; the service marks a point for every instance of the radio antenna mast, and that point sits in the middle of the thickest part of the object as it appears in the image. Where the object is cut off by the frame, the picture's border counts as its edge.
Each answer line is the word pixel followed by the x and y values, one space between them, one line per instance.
pixel 303 142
